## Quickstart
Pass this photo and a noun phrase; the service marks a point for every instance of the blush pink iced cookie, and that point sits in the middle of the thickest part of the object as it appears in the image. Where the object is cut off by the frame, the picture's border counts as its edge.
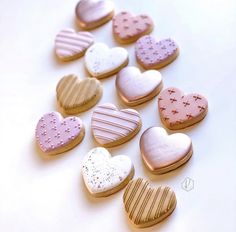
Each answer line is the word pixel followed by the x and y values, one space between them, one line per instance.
pixel 112 127
pixel 127 28
pixel 152 54
pixel 55 135
pixel 93 13
pixel 135 87
pixel 70 45
pixel 178 110
pixel 161 152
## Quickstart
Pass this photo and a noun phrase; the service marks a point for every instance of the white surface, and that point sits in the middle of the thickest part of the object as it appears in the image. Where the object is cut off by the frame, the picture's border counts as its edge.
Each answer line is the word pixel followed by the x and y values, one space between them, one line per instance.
pixel 39 194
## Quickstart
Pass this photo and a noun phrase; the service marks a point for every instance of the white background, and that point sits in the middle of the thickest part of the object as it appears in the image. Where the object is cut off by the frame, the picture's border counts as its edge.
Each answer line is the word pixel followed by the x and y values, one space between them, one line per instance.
pixel 39 194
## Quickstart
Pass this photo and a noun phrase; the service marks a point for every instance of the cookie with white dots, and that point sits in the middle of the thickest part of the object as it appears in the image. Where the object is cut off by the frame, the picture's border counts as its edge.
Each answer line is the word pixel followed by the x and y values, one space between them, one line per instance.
pixel 152 54
pixel 102 61
pixel 55 134
pixel 178 111
pixel 127 28
pixel 104 175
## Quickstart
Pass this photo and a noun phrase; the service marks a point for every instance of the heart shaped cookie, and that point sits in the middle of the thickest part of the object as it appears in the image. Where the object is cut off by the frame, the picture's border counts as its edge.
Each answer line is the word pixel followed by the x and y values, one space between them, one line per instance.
pixel 161 152
pixel 135 87
pixel 101 61
pixel 147 206
pixel 178 111
pixel 70 45
pixel 75 95
pixel 104 175
pixel 55 135
pixel 127 28
pixel 111 127
pixel 93 13
pixel 151 54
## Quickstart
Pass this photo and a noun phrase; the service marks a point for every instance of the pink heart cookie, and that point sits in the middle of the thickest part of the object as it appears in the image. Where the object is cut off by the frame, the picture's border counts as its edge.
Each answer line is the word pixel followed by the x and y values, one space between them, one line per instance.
pixel 161 152
pixel 151 54
pixel 128 28
pixel 178 111
pixel 135 87
pixel 93 13
pixel 70 45
pixel 55 135
pixel 111 127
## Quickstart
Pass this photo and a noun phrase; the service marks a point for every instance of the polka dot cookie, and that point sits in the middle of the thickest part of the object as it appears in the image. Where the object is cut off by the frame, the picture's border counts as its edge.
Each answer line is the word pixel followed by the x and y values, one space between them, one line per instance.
pixel 55 135
pixel 152 54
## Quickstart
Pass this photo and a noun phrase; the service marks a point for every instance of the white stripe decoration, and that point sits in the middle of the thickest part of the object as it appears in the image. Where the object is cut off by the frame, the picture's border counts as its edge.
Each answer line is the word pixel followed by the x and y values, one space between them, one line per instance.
pixel 111 127
pixel 70 45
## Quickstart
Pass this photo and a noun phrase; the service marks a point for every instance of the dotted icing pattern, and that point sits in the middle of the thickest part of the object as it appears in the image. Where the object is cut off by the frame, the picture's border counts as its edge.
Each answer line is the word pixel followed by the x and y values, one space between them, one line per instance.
pixel 53 132
pixel 126 26
pixel 102 173
pixel 177 108
pixel 151 53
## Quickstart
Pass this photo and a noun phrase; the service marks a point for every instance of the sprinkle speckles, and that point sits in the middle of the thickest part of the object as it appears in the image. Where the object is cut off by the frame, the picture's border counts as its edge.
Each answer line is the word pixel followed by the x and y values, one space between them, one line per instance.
pixel 102 173
pixel 103 60
pixel 53 132
pixel 159 52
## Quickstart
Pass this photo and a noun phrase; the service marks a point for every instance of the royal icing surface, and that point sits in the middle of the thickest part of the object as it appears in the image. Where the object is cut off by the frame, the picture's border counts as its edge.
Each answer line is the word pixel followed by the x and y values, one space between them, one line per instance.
pixel 92 13
pixel 99 59
pixel 133 85
pixel 147 206
pixel 110 124
pixel 176 108
pixel 151 53
pixel 54 132
pixel 69 43
pixel 73 92
pixel 126 26
pixel 160 150
pixel 101 172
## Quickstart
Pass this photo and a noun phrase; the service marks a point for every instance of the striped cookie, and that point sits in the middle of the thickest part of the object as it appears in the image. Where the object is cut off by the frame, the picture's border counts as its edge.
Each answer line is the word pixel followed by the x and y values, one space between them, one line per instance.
pixel 147 206
pixel 111 127
pixel 70 45
pixel 75 95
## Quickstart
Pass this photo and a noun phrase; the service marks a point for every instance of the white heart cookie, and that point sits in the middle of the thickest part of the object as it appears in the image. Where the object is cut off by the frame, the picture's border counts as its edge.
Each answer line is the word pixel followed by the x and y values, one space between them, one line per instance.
pixel 104 175
pixel 101 61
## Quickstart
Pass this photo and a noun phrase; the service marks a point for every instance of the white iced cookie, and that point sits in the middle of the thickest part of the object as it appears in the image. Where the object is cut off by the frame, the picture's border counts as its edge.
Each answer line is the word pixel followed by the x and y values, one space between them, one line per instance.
pixel 104 175
pixel 101 61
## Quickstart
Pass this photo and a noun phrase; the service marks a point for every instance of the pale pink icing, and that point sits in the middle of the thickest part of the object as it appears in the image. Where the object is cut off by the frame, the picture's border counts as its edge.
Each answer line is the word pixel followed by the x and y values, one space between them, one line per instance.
pixel 150 52
pixel 69 43
pixel 53 132
pixel 134 85
pixel 160 150
pixel 109 124
pixel 89 12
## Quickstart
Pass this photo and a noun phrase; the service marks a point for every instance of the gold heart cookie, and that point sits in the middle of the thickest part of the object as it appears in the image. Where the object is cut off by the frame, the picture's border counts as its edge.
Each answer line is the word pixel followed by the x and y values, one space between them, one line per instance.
pixel 147 206
pixel 75 95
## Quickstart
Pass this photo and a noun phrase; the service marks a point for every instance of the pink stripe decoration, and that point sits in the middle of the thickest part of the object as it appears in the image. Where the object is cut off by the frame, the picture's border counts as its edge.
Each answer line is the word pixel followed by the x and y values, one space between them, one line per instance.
pixel 70 44
pixel 111 125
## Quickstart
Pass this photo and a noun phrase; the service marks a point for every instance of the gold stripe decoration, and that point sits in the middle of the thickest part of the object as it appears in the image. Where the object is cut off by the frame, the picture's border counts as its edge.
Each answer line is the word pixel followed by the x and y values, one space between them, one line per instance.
pixel 75 95
pixel 147 206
